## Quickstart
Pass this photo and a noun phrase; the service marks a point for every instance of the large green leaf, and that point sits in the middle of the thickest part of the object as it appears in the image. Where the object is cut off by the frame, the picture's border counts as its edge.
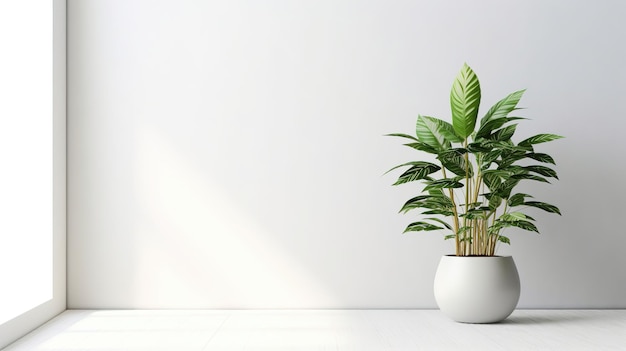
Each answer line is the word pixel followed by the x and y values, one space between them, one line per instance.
pixel 503 107
pixel 441 127
pixel 544 206
pixel 429 133
pixel 420 170
pixel 540 138
pixel 464 101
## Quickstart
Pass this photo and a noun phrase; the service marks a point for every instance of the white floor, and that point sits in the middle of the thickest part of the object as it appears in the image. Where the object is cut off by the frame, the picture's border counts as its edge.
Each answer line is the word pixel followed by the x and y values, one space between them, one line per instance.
pixel 356 330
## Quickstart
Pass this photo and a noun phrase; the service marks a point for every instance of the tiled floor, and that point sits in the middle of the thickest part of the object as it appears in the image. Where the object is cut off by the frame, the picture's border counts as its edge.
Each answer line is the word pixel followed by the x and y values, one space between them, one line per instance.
pixel 355 330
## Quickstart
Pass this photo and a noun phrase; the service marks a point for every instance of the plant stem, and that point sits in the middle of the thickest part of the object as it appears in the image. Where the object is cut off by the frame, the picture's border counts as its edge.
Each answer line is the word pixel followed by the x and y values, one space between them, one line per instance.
pixel 467 185
pixel 456 214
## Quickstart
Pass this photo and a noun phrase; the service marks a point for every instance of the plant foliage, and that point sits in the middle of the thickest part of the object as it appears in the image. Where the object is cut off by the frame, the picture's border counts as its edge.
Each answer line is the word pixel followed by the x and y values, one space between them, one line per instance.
pixel 470 192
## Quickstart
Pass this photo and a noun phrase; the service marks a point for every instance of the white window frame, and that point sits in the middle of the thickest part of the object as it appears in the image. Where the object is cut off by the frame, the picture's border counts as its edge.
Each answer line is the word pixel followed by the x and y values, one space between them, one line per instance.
pixel 24 323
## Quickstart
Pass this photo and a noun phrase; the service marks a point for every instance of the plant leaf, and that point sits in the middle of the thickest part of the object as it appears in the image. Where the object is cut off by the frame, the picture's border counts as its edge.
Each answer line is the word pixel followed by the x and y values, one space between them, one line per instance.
pixel 504 134
pixel 487 128
pixel 438 220
pixel 545 158
pixel 427 201
pixel 418 145
pixel 494 202
pixel 464 101
pixel 415 202
pixel 505 188
pixel 517 199
pixel 428 132
pixel 446 213
pixel 443 128
pixel 526 225
pixel 542 170
pixel 493 178
pixel 420 170
pixel 503 107
pixel 539 138
pixel 504 239
pixel 474 214
pixel 530 177
pixel 412 163
pixel 454 161
pixel 544 206
pixel 402 136
pixel 515 216
pixel 479 147
pixel 444 183
pixel 421 226
pixel 489 158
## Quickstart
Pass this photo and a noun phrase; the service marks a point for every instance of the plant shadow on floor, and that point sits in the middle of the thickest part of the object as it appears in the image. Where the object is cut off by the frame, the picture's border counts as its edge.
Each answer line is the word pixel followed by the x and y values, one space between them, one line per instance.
pixel 558 317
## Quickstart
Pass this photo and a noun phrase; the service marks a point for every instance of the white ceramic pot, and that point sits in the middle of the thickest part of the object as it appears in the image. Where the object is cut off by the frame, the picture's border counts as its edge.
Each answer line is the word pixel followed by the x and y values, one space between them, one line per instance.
pixel 477 289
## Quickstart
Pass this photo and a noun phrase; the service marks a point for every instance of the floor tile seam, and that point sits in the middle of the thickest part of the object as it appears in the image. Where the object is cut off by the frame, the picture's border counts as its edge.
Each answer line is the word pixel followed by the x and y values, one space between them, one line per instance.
pixel 216 331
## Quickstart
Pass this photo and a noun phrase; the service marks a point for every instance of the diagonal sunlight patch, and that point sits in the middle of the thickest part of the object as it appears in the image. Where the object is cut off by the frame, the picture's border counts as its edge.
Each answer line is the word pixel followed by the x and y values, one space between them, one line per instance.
pixel 195 248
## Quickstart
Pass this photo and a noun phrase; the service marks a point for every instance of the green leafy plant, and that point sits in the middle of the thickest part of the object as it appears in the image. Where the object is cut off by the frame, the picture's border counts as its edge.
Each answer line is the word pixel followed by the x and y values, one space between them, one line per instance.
pixel 470 192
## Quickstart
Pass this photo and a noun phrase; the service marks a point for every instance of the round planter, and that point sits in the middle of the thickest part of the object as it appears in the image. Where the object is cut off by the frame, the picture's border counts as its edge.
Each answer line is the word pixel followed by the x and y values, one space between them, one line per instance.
pixel 477 289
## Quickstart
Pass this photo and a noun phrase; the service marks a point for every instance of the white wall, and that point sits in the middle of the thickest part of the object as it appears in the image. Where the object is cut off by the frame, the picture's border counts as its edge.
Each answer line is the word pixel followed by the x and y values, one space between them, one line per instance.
pixel 18 326
pixel 228 154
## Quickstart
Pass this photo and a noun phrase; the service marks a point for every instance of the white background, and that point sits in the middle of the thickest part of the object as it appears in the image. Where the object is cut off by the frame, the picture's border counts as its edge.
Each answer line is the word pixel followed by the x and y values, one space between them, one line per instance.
pixel 229 154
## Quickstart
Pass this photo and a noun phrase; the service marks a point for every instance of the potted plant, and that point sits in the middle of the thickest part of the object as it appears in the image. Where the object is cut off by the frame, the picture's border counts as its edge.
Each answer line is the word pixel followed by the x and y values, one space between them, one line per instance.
pixel 469 191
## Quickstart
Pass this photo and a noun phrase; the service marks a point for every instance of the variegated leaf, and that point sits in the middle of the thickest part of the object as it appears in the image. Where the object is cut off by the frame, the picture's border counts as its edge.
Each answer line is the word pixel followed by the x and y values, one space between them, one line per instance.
pixel 503 107
pixel 505 133
pixel 402 136
pixel 540 138
pixel 421 226
pixel 418 145
pixel 440 221
pixel 544 206
pixel 418 171
pixel 545 158
pixel 517 199
pixel 542 170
